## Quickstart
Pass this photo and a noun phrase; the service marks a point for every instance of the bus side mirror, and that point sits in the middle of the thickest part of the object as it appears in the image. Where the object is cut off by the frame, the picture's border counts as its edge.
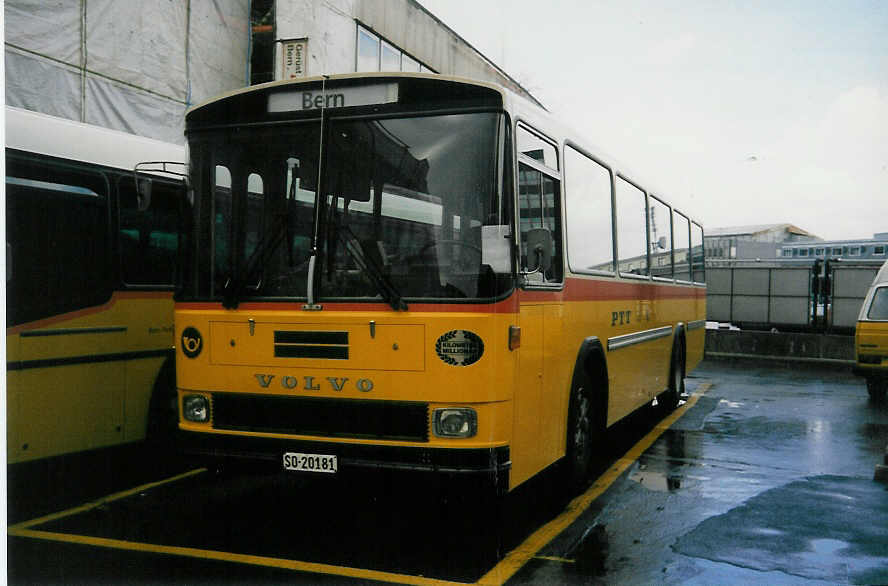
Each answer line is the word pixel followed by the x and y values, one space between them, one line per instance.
pixel 539 250
pixel 142 178
pixel 143 194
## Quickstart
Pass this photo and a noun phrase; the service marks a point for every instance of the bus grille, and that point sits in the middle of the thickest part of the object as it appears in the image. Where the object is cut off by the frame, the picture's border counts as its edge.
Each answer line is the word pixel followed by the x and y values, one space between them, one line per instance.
pixel 386 420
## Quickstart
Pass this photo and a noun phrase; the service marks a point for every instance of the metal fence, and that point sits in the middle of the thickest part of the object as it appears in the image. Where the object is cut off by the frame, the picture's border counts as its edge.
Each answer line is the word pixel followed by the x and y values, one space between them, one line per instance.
pixel 809 296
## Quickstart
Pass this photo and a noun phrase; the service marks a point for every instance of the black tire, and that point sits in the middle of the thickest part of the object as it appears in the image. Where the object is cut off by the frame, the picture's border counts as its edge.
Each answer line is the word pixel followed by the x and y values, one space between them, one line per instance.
pixel 668 401
pixel 163 409
pixel 877 389
pixel 585 432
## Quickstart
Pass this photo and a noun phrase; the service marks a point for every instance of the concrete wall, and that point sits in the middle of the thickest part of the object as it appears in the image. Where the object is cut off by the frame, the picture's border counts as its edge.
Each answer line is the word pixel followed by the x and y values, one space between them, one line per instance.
pixel 793 347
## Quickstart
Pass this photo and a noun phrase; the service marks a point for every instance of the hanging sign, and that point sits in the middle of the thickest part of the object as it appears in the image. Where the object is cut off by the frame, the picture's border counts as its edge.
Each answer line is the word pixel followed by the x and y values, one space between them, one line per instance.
pixel 294 55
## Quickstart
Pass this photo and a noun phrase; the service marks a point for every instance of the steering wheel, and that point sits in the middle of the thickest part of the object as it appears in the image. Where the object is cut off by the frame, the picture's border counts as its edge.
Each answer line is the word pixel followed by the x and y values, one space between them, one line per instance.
pixel 465 261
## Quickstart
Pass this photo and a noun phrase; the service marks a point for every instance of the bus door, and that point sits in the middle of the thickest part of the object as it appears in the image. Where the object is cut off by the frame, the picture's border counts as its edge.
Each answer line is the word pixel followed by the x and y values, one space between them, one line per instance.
pixel 541 394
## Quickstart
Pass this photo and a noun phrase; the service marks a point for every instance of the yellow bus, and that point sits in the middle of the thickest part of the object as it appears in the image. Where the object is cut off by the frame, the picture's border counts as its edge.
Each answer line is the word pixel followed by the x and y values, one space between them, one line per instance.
pixel 871 337
pixel 424 273
pixel 90 270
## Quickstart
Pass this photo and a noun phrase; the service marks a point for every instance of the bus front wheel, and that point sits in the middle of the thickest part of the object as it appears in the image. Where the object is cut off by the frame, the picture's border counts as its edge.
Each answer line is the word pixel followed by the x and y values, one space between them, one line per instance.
pixel 877 388
pixel 584 434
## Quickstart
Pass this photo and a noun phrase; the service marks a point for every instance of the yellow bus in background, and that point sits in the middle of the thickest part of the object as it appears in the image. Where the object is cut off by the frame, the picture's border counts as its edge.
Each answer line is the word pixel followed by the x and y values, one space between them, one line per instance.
pixel 416 272
pixel 90 271
pixel 871 337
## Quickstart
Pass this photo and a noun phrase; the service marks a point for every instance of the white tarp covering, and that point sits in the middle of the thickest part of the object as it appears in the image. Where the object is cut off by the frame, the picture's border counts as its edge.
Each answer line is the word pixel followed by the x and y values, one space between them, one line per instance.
pixel 36 83
pixel 46 27
pixel 132 66
pixel 125 108
pixel 219 44
pixel 141 43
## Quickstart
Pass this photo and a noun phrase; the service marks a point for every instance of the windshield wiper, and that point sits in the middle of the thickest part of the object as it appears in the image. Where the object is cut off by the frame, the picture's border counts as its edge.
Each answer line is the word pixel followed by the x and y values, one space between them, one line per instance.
pixel 269 242
pixel 369 266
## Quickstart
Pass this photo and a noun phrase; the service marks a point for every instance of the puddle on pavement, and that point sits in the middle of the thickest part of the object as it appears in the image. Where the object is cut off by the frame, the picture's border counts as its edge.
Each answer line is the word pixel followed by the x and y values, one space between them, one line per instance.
pixel 659 481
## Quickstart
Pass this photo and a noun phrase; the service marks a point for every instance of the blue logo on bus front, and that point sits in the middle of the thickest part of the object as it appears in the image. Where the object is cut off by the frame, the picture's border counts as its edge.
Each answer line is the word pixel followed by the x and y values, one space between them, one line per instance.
pixel 459 347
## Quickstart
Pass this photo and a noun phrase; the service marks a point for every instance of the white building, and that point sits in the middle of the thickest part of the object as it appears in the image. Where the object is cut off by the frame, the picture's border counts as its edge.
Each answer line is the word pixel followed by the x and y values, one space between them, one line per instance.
pixel 751 242
pixel 137 66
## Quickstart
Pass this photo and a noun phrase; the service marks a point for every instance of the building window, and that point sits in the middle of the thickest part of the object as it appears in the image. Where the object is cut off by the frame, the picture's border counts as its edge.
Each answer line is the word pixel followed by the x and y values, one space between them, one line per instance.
pixel 818 251
pixel 837 251
pixel 376 54
pixel 854 251
pixel 368 51
pixel 262 41
pixel 879 250
pixel 803 252
pixel 787 252
pixel 390 58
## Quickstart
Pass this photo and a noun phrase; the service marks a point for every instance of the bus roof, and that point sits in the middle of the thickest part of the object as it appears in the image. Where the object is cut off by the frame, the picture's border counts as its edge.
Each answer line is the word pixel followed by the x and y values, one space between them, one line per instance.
pixel 58 137
pixel 517 105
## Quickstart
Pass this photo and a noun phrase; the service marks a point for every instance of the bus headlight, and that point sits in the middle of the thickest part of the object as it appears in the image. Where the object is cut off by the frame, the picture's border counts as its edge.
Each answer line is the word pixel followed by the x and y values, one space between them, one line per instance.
pixel 456 422
pixel 196 408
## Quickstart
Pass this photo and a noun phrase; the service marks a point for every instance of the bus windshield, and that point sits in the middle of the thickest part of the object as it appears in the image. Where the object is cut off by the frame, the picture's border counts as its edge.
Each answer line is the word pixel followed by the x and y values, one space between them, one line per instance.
pixel 413 208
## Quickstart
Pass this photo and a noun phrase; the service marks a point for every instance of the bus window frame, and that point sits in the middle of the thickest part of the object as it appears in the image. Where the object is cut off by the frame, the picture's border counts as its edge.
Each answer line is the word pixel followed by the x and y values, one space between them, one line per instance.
pixel 613 218
pixel 647 228
pixel 689 280
pixel 112 278
pixel 556 175
pixel 326 121
pixel 702 250
pixel 180 239
pixel 671 238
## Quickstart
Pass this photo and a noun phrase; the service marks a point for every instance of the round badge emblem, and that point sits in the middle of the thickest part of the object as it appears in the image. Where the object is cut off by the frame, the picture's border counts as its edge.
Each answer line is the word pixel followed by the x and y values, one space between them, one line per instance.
pixel 192 342
pixel 459 348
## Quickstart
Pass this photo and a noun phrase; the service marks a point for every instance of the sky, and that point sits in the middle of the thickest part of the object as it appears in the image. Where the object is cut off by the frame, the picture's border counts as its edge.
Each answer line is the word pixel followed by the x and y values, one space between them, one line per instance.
pixel 753 112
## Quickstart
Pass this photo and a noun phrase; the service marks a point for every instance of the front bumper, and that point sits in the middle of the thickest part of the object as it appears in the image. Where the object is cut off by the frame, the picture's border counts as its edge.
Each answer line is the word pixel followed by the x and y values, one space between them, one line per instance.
pixel 222 447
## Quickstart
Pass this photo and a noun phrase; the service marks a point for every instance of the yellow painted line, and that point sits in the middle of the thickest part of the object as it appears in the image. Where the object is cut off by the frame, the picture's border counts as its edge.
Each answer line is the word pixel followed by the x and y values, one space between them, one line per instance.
pixel 255 560
pixel 104 500
pixel 519 556
pixel 24 530
pixel 552 558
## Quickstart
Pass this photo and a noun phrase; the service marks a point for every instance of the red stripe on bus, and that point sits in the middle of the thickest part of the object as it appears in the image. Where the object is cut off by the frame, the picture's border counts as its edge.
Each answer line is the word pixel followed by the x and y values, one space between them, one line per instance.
pixel 612 289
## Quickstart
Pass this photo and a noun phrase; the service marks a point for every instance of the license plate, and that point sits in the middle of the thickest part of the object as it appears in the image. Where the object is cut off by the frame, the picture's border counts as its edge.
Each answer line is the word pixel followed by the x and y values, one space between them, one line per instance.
pixel 323 463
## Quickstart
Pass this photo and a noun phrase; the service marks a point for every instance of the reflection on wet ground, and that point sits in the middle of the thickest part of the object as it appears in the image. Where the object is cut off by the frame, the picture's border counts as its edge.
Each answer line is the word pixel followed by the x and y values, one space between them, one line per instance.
pixel 768 480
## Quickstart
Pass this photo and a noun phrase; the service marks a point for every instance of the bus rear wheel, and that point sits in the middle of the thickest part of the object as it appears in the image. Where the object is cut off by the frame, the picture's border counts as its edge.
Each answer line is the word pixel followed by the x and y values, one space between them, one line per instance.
pixel 668 400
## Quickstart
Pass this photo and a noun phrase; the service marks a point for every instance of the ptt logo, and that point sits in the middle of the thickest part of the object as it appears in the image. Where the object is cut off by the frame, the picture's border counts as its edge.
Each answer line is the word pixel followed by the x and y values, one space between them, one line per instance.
pixel 192 342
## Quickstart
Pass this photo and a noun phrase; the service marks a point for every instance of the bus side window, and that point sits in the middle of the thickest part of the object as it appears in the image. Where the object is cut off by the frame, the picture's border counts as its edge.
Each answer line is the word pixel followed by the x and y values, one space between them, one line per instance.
pixel 682 231
pixel 58 235
pixel 539 207
pixel 149 239
pixel 590 244
pixel 631 229
pixel 660 238
pixel 698 266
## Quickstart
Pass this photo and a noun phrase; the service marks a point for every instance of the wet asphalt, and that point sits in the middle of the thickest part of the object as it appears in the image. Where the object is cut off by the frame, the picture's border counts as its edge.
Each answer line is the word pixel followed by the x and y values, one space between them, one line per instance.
pixel 765 478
